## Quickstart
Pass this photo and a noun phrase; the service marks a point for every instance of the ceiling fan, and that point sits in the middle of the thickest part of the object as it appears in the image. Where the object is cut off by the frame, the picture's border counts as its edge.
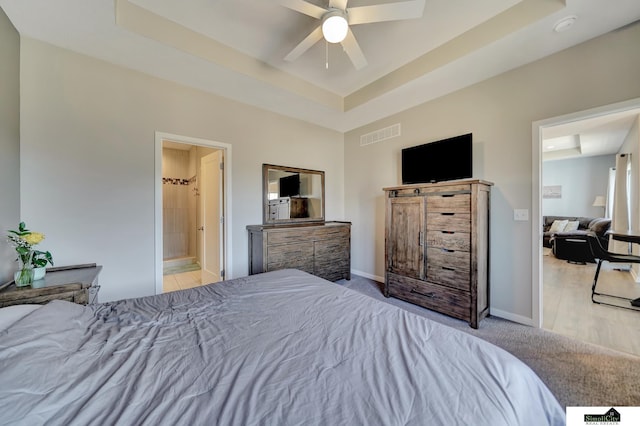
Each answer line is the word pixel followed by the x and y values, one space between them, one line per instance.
pixel 337 19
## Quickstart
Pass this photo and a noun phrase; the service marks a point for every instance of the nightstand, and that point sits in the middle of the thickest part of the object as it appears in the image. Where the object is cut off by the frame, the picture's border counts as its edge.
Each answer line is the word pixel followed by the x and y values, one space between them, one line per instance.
pixel 75 283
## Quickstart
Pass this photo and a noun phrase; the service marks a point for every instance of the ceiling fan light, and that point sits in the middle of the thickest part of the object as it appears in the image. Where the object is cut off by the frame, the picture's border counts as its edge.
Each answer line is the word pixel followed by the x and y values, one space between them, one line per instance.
pixel 335 28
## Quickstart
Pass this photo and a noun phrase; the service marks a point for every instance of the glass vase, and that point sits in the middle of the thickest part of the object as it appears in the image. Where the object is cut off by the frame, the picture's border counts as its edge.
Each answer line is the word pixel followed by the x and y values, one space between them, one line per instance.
pixel 24 275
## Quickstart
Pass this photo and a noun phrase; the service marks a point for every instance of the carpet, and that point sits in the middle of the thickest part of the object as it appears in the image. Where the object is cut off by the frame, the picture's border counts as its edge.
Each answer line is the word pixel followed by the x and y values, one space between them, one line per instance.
pixel 578 374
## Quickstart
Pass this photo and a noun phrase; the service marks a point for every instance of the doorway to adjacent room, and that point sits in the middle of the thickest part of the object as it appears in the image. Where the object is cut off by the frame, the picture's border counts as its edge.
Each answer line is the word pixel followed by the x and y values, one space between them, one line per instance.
pixel 191 206
pixel 562 290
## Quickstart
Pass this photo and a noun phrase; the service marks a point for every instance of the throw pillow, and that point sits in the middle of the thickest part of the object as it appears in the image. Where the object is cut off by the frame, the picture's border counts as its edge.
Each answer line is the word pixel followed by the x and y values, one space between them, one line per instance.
pixel 572 225
pixel 600 226
pixel 558 226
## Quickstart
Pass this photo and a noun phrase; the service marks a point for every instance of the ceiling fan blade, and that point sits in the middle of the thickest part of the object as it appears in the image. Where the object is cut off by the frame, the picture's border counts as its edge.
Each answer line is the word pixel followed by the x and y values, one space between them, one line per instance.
pixel 385 12
pixel 338 4
pixel 304 7
pixel 352 48
pixel 305 44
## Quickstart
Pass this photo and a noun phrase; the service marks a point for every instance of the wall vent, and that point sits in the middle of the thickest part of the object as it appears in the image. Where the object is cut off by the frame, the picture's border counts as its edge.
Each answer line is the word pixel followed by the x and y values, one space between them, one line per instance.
pixel 380 135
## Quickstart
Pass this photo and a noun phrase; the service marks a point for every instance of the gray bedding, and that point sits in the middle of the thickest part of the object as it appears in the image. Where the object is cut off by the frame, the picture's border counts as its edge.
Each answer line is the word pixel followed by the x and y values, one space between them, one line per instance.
pixel 281 348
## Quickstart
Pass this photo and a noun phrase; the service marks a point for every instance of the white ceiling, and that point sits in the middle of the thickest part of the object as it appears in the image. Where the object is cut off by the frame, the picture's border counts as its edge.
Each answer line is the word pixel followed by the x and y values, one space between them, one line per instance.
pixel 602 135
pixel 235 48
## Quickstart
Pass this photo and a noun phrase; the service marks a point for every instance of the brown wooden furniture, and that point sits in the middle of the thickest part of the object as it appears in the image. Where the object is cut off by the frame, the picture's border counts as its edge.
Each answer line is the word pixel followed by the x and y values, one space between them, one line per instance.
pixel 76 283
pixel 322 249
pixel 437 247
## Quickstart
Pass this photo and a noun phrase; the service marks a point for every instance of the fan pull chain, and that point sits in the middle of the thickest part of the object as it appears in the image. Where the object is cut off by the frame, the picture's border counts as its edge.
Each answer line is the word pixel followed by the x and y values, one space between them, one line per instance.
pixel 326 54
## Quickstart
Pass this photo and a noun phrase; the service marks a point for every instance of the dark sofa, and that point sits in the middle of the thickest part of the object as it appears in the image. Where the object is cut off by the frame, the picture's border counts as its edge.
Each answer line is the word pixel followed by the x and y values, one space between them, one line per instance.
pixel 572 245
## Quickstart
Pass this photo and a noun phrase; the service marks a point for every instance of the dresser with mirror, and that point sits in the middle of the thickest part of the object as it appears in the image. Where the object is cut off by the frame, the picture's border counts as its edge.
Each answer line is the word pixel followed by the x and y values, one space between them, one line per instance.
pixel 294 232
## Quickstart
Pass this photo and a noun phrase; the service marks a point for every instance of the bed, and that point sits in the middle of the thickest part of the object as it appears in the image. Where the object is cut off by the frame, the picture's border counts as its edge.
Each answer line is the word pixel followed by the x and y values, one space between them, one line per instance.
pixel 280 348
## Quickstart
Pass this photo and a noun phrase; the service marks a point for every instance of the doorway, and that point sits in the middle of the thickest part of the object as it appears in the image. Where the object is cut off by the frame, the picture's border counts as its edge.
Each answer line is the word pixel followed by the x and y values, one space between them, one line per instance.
pixel 191 210
pixel 546 266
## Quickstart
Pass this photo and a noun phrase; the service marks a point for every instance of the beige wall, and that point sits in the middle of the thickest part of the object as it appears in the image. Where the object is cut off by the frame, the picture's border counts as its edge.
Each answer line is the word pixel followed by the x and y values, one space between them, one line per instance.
pixel 499 112
pixel 9 142
pixel 87 172
pixel 87 138
pixel 178 208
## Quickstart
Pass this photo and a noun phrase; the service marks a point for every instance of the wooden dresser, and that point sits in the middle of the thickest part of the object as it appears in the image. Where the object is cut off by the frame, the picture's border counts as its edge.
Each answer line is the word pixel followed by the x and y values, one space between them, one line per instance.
pixel 437 247
pixel 322 249
pixel 76 283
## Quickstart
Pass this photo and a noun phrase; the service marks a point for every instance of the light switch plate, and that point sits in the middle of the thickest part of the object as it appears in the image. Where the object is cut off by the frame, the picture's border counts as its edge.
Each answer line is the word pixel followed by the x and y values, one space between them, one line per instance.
pixel 521 215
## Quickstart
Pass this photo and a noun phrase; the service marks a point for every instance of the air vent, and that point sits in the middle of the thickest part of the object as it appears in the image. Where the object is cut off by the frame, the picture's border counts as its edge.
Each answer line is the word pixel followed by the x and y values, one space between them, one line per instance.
pixel 380 135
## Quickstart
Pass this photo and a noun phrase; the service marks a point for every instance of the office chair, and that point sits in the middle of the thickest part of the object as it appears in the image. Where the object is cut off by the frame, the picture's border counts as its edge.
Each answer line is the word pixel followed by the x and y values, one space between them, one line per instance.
pixel 601 255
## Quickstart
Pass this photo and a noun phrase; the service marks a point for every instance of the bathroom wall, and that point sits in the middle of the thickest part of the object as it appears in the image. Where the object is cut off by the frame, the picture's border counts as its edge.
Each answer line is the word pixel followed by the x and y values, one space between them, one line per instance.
pixel 178 203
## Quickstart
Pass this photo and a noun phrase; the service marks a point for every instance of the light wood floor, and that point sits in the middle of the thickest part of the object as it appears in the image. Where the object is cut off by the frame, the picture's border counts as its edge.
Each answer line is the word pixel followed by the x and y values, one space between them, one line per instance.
pixel 568 310
pixel 181 281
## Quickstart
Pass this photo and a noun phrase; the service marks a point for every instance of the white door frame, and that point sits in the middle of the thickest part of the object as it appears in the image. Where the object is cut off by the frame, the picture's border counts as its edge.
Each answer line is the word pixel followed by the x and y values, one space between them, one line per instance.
pixel 536 191
pixel 226 196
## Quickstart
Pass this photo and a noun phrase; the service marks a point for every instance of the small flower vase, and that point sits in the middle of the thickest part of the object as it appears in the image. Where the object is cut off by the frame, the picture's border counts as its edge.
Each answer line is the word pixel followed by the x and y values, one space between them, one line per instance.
pixel 24 275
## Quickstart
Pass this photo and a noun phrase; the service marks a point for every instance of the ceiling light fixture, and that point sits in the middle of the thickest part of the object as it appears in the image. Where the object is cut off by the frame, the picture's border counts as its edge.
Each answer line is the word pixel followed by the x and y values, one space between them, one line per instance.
pixel 565 23
pixel 335 26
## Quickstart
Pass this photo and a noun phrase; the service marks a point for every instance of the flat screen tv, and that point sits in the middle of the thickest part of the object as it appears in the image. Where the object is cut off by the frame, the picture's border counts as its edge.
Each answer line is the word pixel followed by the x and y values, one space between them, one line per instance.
pixel 446 159
pixel 289 186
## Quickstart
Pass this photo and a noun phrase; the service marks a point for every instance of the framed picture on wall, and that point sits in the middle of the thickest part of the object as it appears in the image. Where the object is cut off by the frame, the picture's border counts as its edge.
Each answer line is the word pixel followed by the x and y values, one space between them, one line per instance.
pixel 552 191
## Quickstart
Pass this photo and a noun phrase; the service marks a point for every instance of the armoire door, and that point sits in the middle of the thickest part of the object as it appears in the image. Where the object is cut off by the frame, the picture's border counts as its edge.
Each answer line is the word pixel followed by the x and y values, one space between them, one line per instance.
pixel 405 236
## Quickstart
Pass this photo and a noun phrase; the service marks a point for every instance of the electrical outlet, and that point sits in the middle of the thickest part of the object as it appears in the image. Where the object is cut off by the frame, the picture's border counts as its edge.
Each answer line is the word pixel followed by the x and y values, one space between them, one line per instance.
pixel 521 215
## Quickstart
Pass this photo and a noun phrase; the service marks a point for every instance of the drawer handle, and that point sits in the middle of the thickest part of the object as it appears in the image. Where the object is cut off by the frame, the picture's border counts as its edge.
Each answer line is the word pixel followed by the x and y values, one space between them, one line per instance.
pixel 447 250
pixel 446 268
pixel 448 232
pixel 448 195
pixel 447 214
pixel 430 295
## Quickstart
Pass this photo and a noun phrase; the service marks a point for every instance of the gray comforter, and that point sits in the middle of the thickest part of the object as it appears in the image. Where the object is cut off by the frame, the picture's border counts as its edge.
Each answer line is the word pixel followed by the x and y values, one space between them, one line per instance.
pixel 282 348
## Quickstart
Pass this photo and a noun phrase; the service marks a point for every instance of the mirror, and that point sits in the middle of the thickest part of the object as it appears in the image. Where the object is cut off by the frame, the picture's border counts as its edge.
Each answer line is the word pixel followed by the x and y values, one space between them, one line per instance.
pixel 292 195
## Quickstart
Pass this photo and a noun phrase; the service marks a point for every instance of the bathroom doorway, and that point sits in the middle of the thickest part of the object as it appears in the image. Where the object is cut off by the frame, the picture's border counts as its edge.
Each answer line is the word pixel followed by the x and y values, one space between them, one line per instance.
pixel 190 212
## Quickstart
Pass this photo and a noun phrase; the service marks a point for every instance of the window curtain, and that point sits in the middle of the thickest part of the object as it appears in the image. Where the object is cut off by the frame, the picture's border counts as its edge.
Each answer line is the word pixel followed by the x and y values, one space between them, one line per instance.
pixel 620 220
pixel 608 212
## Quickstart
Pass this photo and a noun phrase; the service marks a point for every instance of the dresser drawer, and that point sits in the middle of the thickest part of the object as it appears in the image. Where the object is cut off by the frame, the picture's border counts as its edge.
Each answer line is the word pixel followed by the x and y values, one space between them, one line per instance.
pixel 319 249
pixel 307 234
pixel 296 256
pixel 459 241
pixel 449 203
pixel 432 296
pixel 449 221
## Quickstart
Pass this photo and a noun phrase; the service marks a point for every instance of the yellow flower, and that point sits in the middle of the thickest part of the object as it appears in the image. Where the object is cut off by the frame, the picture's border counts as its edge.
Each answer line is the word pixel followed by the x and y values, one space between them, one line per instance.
pixel 33 238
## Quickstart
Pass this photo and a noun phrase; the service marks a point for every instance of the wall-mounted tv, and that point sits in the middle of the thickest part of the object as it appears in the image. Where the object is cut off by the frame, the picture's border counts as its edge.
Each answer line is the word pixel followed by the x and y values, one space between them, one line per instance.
pixel 446 159
pixel 289 186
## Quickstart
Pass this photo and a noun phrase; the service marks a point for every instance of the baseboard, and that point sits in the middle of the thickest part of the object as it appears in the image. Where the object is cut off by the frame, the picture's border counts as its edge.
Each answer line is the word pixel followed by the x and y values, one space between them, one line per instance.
pixel 366 275
pixel 511 317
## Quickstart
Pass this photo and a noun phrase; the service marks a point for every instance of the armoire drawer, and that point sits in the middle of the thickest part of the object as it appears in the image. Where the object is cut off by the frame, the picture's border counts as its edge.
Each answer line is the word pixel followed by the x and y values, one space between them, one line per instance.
pixel 449 221
pixel 449 258
pixel 449 203
pixel 431 296
pixel 459 241
pixel 450 277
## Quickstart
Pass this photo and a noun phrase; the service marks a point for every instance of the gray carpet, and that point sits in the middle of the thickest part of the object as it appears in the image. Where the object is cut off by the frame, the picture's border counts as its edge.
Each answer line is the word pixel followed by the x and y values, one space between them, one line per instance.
pixel 579 374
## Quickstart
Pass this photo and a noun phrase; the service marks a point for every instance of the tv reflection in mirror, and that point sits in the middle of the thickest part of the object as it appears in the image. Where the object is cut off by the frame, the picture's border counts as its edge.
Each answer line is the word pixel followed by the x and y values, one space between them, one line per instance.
pixel 293 194
pixel 290 186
